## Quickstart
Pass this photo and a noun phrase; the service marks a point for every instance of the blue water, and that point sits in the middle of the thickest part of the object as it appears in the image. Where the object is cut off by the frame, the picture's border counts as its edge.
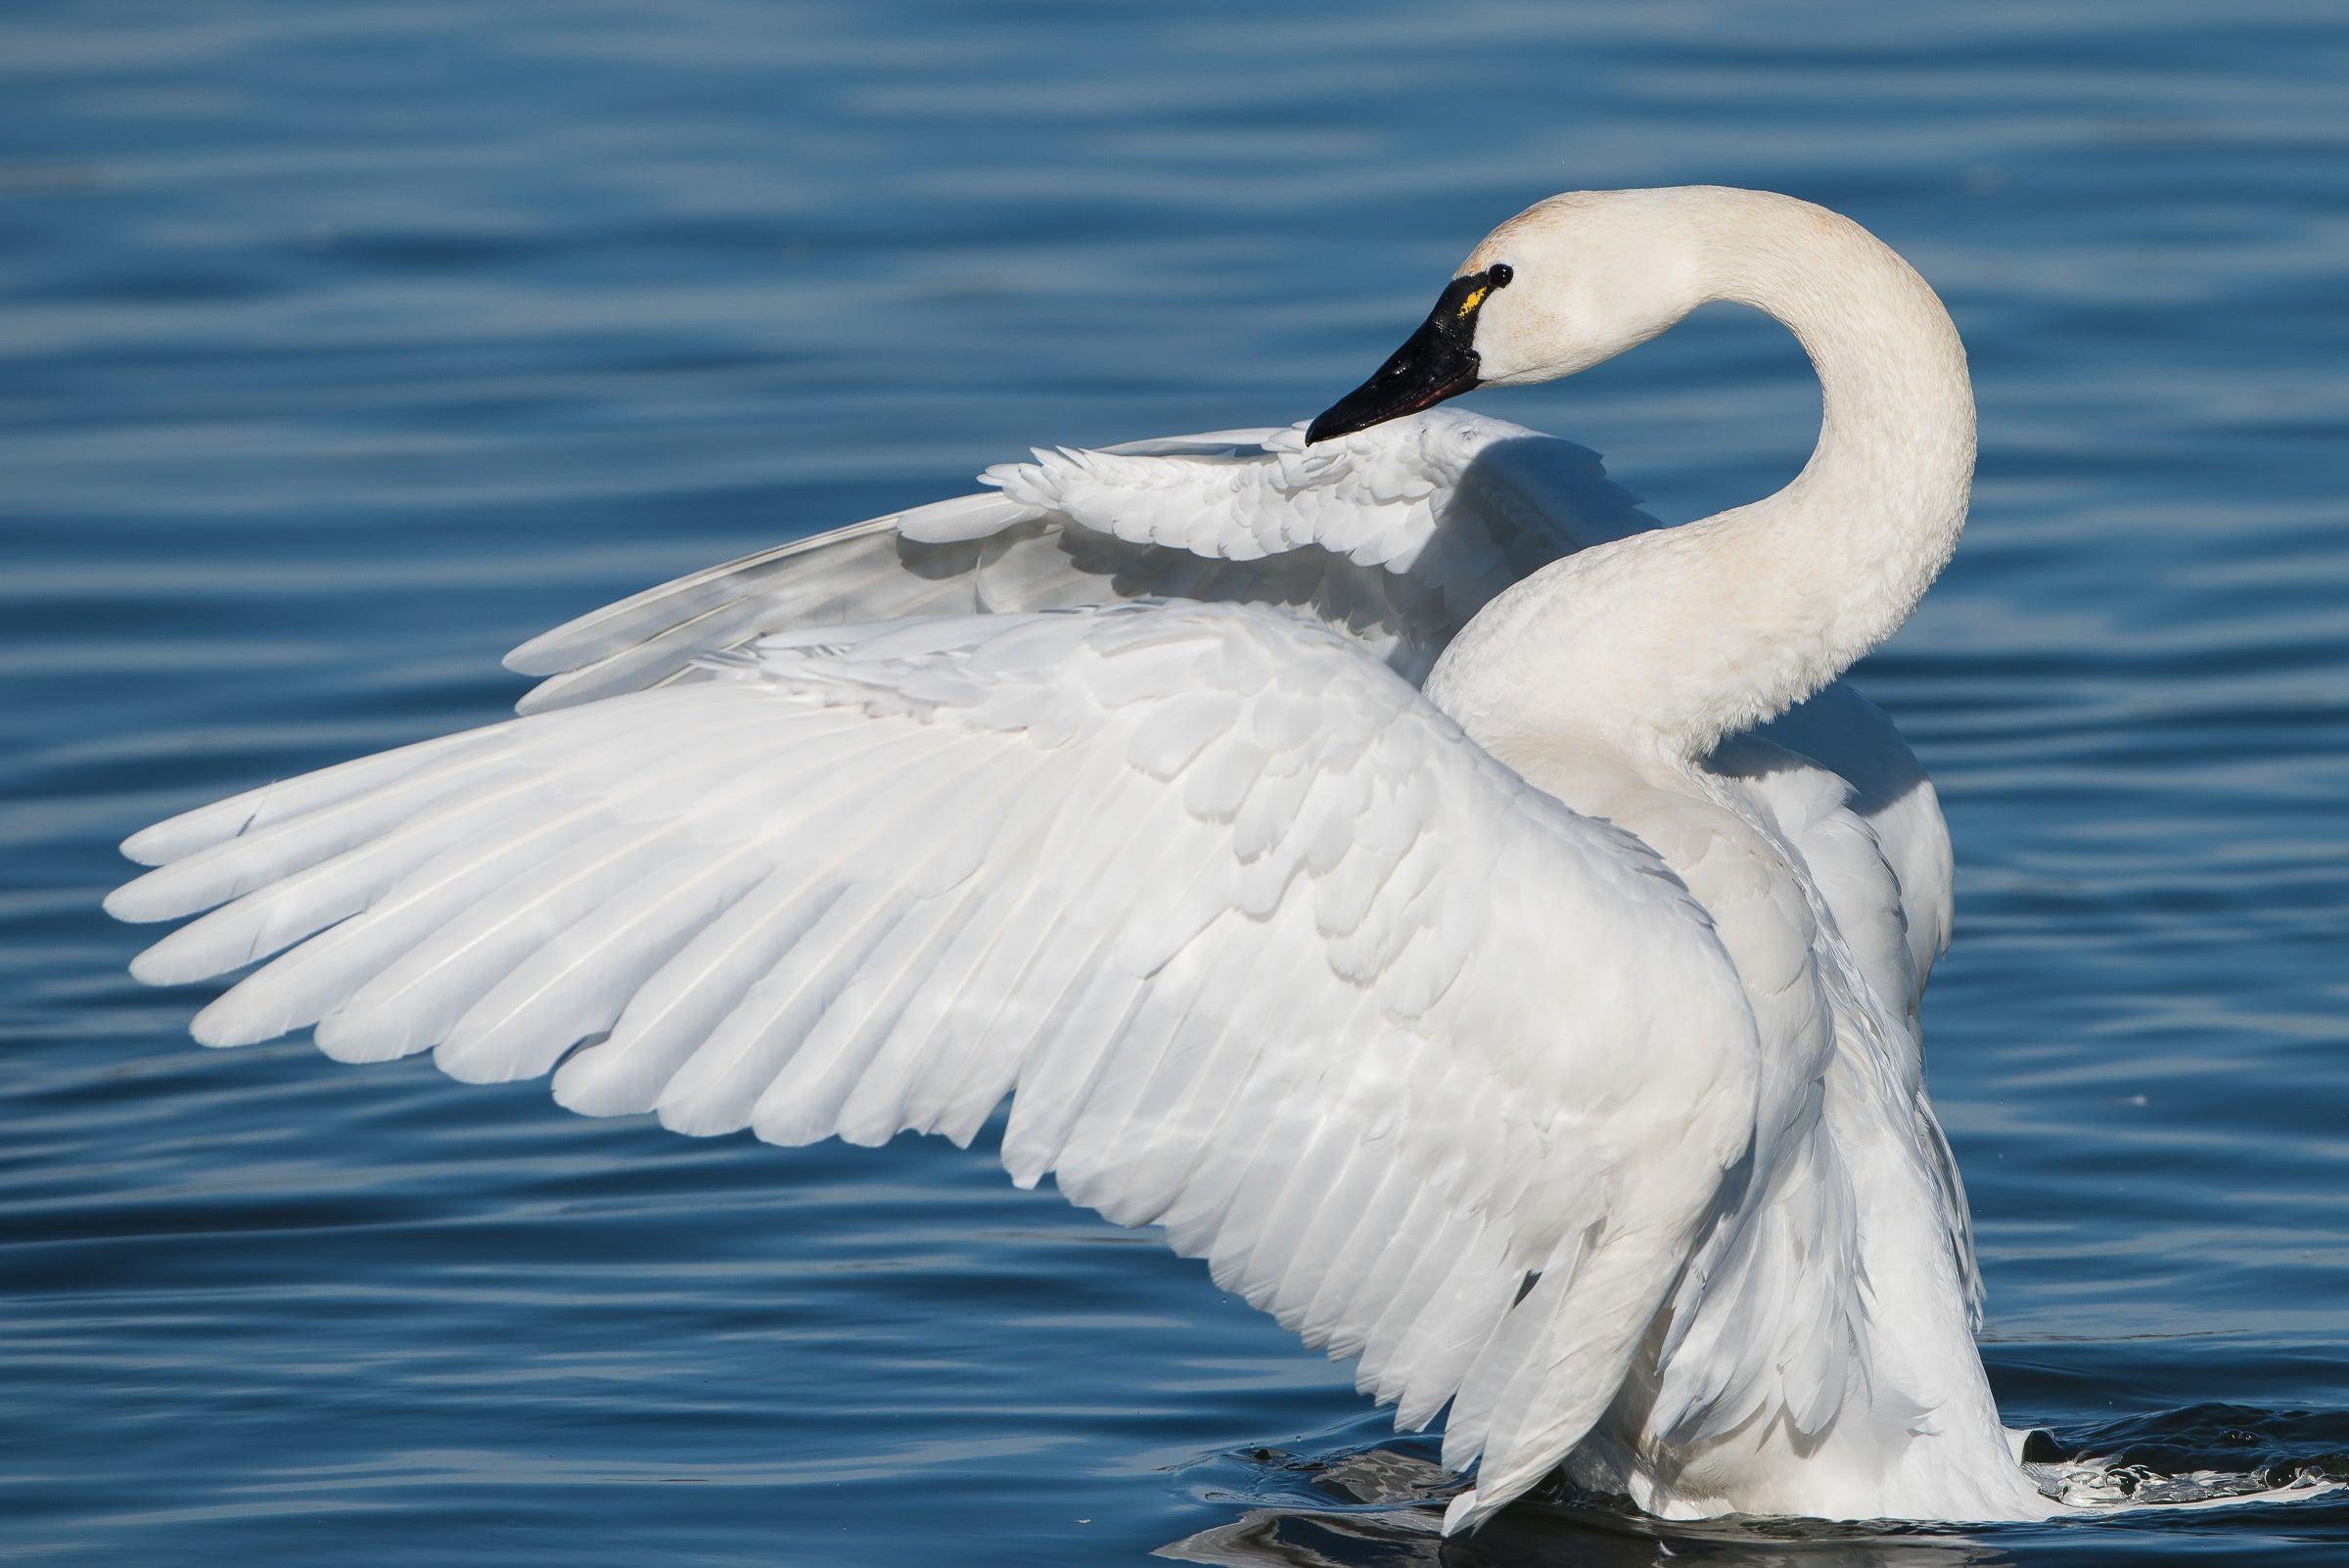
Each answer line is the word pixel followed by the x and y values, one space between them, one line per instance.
pixel 344 346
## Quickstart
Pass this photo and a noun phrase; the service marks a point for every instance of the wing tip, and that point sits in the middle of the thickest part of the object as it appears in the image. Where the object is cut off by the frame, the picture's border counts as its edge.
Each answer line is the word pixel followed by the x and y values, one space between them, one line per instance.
pixel 175 838
pixel 583 639
pixel 149 845
pixel 547 654
pixel 172 891
pixel 598 1081
pixel 960 519
pixel 134 903
pixel 173 961
pixel 226 1023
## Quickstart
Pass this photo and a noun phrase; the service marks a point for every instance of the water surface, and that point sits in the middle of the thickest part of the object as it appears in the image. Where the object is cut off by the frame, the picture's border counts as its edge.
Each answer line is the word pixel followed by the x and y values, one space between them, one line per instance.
pixel 343 347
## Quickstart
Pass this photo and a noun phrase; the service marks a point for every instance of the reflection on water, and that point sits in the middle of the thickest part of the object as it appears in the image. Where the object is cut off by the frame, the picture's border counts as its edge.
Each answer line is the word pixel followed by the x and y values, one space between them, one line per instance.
pixel 2182 1478
pixel 343 347
pixel 1391 1512
pixel 1540 1537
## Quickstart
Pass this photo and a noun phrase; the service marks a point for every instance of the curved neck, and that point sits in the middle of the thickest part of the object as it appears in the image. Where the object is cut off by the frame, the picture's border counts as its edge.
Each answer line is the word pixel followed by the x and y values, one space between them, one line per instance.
pixel 1681 637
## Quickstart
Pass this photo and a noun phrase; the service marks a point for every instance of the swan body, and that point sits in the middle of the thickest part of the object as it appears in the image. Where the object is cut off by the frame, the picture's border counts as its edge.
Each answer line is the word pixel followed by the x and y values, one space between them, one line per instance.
pixel 1468 915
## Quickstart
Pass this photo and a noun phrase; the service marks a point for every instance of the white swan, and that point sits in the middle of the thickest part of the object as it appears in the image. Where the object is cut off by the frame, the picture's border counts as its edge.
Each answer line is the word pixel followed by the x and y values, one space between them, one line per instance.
pixel 1358 856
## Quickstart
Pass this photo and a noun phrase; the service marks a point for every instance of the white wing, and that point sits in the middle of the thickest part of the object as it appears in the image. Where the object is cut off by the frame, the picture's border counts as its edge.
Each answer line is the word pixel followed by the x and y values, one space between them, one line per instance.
pixel 1880 782
pixel 1264 947
pixel 1869 831
pixel 1394 537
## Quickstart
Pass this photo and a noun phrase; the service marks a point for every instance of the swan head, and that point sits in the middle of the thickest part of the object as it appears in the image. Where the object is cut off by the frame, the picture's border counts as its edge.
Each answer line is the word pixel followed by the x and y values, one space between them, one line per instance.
pixel 1562 286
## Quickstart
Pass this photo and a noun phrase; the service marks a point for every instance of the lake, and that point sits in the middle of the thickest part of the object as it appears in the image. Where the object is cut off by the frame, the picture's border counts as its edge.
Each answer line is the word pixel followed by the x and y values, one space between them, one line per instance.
pixel 343 347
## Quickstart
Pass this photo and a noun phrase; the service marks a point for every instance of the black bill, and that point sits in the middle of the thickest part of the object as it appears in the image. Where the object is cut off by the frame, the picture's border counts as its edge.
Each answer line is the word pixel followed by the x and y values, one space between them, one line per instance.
pixel 1438 361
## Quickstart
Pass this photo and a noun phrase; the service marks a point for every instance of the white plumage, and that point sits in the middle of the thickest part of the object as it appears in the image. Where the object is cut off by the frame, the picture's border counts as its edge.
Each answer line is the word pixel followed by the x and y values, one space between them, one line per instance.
pixel 1360 858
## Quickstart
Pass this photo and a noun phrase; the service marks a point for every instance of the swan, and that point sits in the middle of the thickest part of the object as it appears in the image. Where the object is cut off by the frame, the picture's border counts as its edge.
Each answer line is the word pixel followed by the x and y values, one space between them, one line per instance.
pixel 1473 918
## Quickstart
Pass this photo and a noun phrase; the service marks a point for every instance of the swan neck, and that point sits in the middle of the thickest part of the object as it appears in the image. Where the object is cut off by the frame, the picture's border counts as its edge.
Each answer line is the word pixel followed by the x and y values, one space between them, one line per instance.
pixel 1897 409
pixel 1664 642
pixel 1831 566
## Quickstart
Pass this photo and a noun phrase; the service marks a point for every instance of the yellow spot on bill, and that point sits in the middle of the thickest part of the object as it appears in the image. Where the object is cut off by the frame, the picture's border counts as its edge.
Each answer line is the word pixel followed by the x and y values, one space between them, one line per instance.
pixel 1472 301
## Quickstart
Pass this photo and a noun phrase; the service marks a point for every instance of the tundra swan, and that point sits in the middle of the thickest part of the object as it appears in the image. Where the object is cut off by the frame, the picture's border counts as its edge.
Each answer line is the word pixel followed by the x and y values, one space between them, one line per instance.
pixel 1466 914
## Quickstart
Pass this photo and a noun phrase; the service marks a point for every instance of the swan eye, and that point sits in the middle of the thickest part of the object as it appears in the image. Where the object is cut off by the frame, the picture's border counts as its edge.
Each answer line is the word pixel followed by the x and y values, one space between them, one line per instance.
pixel 1499 274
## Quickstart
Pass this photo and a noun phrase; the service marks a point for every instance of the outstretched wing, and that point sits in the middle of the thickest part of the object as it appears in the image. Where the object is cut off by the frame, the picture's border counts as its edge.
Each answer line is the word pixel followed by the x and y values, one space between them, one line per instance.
pixel 1395 536
pixel 1263 948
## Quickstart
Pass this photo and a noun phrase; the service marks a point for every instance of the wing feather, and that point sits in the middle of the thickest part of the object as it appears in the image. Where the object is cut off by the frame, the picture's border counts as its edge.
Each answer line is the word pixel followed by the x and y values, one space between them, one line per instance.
pixel 1262 949
pixel 1394 537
